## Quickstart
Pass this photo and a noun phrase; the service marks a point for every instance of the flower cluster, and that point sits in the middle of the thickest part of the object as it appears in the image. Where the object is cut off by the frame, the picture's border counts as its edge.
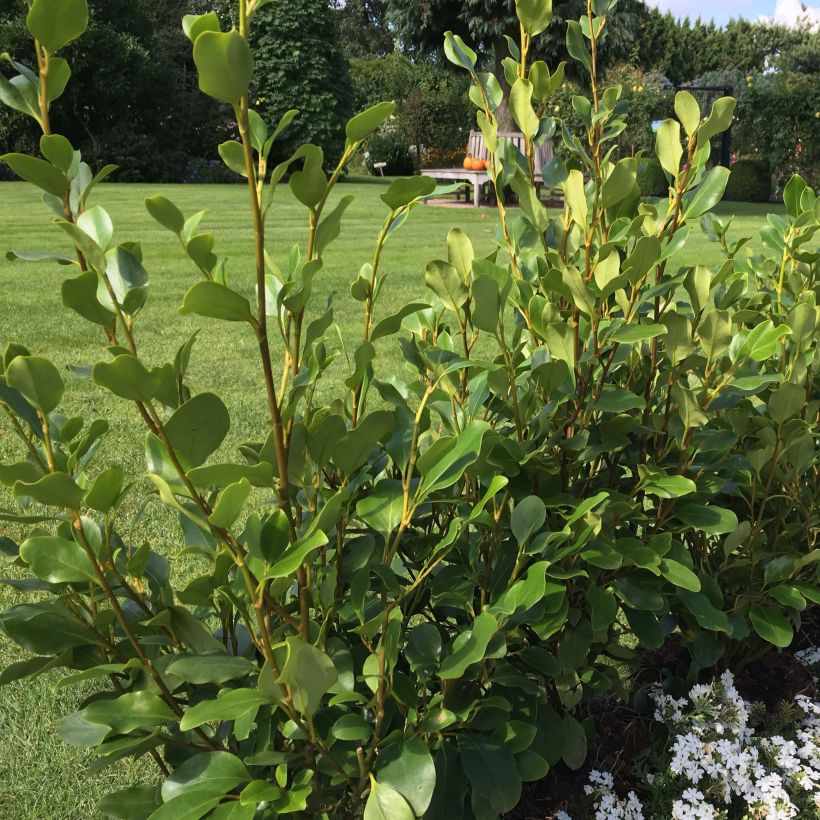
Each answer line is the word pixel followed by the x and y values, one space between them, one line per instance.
pixel 606 803
pixel 718 759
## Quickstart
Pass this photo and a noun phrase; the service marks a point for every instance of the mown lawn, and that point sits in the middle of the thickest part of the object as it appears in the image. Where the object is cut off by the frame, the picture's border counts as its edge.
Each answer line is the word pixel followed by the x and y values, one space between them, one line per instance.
pixel 40 777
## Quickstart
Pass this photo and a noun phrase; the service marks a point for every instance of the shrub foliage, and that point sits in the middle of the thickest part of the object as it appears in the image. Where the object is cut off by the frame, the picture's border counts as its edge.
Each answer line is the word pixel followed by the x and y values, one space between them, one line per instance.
pixel 408 595
pixel 750 180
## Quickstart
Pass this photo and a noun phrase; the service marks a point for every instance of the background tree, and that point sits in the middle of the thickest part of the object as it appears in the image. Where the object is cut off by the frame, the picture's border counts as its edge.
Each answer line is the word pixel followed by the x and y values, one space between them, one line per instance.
pixel 364 29
pixel 420 27
pixel 299 64
pixel 132 73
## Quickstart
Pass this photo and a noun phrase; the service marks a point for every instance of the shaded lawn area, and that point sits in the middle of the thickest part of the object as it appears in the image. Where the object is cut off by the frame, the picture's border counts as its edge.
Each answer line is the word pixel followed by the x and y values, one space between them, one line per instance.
pixel 41 776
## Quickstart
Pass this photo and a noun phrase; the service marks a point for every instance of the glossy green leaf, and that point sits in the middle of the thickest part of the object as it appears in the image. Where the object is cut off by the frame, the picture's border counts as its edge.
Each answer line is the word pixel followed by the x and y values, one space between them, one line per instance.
pixel 521 104
pixel 308 673
pixel 446 282
pixel 131 710
pixel 58 151
pixel 57 560
pixel 620 183
pixel 772 625
pixel 385 803
pixel 166 213
pixel 575 743
pixel 198 427
pixel 491 772
pixel 364 124
pixel 687 111
pixel 296 555
pixel 56 23
pixel 130 803
pixel 352 451
pixel 679 575
pixel 458 52
pixel 105 491
pixel 667 486
pixel 383 506
pixel 37 379
pixel 707 194
pixel 534 15
pixel 469 647
pixel 195 24
pixel 233 155
pixel 719 119
pixel 576 197
pixel 38 172
pixel 230 503
pixel 309 185
pixel 214 772
pixel 446 460
pixel 231 704
pixel 404 190
pixel 54 489
pixel 392 324
pixel 225 65
pixel 127 377
pixel 668 146
pixel 575 45
pixel 527 518
pixel 408 768
pixel 709 519
pixel 216 301
pixel 330 227
pixel 633 333
pixel 79 293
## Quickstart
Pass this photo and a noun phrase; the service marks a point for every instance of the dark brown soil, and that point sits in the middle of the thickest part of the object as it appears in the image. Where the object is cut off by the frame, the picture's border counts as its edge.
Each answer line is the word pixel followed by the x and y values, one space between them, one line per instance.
pixel 623 736
pixel 773 680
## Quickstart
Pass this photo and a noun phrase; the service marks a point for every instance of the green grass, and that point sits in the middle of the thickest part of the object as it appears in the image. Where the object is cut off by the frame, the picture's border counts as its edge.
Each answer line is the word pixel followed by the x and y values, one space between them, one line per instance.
pixel 40 776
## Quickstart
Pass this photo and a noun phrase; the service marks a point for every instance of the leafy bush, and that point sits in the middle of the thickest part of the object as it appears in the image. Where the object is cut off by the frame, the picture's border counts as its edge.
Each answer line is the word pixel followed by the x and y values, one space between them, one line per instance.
pixel 779 123
pixel 132 100
pixel 434 110
pixel 299 63
pixel 651 178
pixel 750 180
pixel 408 595
pixel 391 146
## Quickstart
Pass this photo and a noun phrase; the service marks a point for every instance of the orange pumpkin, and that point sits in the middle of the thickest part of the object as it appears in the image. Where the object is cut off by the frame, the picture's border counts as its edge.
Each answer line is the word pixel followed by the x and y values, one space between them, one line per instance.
pixel 468 162
pixel 484 164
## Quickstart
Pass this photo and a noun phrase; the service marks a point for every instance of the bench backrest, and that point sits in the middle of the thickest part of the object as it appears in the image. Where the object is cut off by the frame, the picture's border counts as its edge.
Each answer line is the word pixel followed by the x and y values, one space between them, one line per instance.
pixel 476 147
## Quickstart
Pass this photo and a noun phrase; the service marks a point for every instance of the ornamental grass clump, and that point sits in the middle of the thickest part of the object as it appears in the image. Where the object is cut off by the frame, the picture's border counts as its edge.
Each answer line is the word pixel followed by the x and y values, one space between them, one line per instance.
pixel 406 597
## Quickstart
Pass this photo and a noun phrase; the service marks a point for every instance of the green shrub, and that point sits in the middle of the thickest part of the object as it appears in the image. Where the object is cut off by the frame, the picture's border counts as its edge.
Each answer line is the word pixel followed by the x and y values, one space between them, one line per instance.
pixel 434 110
pixel 778 122
pixel 407 596
pixel 390 146
pixel 651 178
pixel 132 76
pixel 299 64
pixel 750 180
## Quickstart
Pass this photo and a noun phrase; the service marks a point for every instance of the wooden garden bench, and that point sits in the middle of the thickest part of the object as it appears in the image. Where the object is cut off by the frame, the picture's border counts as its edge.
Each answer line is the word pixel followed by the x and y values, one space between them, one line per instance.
pixel 476 148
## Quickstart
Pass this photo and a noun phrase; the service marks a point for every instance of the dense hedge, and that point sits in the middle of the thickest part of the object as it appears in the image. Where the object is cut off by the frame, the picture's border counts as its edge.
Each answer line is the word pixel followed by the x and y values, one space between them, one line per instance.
pixel 131 74
pixel 779 120
pixel 299 65
pixel 433 107
pixel 651 179
pixel 749 181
